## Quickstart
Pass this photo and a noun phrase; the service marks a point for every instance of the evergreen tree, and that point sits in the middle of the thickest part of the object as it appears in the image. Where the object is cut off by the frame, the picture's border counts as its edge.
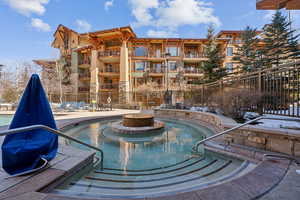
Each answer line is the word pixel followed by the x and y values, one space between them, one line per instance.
pixel 248 54
pixel 212 68
pixel 281 42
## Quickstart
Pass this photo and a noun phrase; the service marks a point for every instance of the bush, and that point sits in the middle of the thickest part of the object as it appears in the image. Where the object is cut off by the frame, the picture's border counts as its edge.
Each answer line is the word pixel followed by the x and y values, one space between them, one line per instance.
pixel 10 95
pixel 234 102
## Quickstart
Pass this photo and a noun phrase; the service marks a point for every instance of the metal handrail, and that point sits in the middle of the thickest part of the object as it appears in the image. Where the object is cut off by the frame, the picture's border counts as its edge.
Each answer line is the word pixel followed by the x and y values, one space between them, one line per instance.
pixel 195 147
pixel 59 133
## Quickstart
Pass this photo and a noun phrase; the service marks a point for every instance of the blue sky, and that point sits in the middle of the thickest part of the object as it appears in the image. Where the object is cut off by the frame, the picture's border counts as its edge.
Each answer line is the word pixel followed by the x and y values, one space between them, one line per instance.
pixel 27 26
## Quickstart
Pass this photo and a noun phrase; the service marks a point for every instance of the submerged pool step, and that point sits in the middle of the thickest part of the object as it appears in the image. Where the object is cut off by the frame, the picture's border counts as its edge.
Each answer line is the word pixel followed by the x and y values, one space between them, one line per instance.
pixel 122 171
pixel 108 189
pixel 156 171
pixel 157 176
pixel 117 184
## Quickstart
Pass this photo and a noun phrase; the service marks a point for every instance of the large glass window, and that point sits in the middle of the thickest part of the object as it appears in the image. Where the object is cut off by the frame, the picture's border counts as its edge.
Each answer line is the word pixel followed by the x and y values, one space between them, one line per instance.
pixel 141 51
pixel 229 51
pixel 157 53
pixel 174 51
pixel 156 68
pixel 172 65
pixel 229 67
pixel 140 66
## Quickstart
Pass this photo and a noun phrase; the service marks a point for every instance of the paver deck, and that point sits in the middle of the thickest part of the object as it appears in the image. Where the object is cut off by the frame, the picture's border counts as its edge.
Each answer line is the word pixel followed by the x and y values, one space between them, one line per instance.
pixel 250 186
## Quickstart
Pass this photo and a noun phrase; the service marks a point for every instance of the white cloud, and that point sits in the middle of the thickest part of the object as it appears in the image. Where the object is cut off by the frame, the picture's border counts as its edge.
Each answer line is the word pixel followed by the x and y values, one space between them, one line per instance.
pixel 28 7
pixel 161 33
pixel 141 11
pixel 40 25
pixel 173 13
pixel 83 26
pixel 108 4
pixel 176 13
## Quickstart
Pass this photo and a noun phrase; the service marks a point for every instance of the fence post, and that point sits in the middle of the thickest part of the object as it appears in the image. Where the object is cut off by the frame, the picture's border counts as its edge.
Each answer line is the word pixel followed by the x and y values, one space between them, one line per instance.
pixel 221 91
pixel 202 96
pixel 260 105
pixel 259 81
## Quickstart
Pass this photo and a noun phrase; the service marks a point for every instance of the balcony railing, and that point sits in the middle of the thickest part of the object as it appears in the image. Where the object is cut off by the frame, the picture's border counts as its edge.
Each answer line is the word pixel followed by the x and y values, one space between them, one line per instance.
pixel 83 89
pixel 113 70
pixel 84 75
pixel 105 86
pixel 84 62
pixel 108 53
pixel 194 55
pixel 192 71
pixel 155 70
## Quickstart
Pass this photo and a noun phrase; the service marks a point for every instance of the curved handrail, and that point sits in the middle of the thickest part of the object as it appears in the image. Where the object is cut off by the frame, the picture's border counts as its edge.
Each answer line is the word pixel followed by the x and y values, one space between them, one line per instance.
pixel 195 146
pixel 59 133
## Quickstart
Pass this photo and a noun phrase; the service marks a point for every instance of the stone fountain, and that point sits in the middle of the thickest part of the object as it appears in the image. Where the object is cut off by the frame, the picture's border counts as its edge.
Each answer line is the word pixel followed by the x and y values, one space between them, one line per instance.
pixel 134 124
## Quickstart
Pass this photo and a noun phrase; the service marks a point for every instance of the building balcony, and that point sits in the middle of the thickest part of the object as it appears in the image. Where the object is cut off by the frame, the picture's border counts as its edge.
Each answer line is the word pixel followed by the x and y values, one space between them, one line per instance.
pixel 84 77
pixel 156 57
pixel 192 71
pixel 194 57
pixel 277 4
pixel 83 89
pixel 109 56
pixel 84 64
pixel 156 72
pixel 108 86
pixel 109 72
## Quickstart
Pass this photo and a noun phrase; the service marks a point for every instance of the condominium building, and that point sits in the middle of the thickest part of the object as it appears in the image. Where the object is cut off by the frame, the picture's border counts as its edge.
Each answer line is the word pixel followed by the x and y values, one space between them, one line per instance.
pixel 116 62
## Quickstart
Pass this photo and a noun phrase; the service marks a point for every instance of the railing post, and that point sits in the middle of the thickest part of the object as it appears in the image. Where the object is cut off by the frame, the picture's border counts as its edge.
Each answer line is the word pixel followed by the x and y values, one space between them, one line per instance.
pixel 259 81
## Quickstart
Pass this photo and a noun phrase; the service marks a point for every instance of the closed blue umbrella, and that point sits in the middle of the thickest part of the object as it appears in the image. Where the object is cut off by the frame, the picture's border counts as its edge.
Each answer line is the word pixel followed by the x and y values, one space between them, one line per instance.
pixel 27 151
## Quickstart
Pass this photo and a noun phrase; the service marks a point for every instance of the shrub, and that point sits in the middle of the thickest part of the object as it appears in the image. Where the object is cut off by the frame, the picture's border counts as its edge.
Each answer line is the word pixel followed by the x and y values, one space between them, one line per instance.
pixel 235 102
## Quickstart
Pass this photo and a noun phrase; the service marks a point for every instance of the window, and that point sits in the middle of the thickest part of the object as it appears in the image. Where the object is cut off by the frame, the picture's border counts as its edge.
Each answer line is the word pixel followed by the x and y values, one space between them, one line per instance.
pixel 140 66
pixel 174 51
pixel 109 68
pixel 141 51
pixel 229 51
pixel 156 68
pixel 229 67
pixel 157 53
pixel 172 66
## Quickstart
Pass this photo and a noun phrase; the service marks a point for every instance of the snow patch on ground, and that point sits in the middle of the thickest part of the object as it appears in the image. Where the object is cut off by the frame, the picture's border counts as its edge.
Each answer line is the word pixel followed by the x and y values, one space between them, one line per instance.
pixel 277 122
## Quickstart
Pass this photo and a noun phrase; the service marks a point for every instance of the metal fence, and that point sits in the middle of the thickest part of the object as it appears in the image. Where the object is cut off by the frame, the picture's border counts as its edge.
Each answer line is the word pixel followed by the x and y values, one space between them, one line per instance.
pixel 278 87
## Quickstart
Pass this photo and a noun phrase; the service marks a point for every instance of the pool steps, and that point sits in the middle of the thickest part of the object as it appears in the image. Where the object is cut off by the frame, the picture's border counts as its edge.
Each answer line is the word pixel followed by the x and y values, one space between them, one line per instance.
pixel 186 175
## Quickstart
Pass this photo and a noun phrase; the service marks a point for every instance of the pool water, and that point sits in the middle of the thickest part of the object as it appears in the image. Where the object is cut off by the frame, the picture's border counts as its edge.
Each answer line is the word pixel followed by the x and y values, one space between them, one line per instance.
pixel 5 119
pixel 172 146
pixel 147 165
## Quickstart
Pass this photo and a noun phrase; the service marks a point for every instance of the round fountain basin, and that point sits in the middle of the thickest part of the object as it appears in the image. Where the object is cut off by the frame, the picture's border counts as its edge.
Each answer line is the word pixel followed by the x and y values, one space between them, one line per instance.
pixel 138 120
pixel 118 127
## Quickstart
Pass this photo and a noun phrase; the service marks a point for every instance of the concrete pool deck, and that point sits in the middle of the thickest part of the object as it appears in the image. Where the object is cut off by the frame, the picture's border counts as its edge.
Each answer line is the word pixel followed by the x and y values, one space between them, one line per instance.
pixel 271 179
pixel 83 113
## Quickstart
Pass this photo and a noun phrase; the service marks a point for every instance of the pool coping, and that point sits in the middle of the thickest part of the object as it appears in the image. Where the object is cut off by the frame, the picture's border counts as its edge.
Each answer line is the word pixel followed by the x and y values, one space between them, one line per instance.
pixel 254 184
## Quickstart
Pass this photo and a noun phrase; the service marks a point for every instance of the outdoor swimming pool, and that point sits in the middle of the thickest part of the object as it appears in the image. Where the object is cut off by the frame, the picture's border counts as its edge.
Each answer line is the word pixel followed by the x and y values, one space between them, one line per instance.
pixel 5 119
pixel 148 165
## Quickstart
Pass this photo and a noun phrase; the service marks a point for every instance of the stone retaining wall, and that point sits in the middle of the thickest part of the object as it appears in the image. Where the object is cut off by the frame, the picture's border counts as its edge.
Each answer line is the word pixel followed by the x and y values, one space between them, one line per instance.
pixel 269 139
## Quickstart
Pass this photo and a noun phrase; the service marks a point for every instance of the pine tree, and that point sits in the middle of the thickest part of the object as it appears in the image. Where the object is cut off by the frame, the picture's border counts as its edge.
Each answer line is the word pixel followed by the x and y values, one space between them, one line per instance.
pixel 212 68
pixel 248 54
pixel 281 42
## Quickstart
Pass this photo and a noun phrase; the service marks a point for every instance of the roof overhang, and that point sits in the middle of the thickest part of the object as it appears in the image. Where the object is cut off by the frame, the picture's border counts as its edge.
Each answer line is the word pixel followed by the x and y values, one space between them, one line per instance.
pixel 277 4
pixel 109 33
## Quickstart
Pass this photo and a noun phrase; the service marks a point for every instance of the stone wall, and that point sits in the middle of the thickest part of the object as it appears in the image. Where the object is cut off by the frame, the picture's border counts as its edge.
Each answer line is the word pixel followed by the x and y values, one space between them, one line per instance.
pixel 269 139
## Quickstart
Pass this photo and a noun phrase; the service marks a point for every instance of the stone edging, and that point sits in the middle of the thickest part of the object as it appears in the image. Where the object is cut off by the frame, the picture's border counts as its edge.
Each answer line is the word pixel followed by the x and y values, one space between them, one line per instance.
pixel 269 139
